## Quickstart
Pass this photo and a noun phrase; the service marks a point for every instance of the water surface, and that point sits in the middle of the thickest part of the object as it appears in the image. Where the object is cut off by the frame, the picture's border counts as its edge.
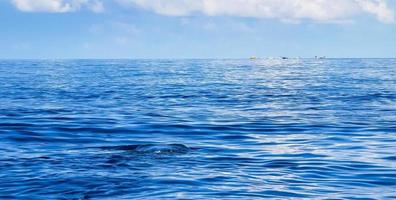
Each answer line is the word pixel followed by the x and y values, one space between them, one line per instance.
pixel 198 129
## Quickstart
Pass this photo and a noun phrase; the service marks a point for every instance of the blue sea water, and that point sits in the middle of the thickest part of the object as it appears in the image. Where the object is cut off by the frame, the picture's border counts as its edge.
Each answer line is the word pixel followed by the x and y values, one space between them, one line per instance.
pixel 198 129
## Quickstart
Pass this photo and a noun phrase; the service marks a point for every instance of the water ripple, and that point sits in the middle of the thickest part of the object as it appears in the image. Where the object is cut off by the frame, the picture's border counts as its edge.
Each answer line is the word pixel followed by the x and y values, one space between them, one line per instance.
pixel 198 129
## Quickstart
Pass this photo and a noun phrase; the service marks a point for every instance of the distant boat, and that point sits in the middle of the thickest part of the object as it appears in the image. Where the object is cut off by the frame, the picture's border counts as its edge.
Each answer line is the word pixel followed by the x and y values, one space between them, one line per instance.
pixel 320 57
pixel 284 58
pixel 253 58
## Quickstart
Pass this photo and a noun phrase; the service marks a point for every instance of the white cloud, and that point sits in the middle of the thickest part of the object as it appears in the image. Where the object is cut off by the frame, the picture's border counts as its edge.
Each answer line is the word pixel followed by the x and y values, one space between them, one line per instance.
pixel 285 10
pixel 379 9
pixel 57 6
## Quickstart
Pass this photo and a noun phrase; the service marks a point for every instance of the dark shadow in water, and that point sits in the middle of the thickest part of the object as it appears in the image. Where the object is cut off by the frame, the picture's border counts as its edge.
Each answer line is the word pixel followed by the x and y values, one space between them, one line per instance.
pixel 151 148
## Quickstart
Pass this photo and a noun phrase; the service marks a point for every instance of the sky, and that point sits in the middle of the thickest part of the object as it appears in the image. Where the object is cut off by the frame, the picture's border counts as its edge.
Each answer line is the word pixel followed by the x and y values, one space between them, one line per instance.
pixel 66 29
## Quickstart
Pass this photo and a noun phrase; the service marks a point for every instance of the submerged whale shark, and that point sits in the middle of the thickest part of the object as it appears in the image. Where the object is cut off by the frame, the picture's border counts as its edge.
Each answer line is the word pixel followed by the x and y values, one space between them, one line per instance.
pixel 152 148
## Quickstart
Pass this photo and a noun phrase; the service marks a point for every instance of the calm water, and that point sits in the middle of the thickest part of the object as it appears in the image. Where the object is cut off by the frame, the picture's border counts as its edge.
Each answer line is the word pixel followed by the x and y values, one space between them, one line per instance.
pixel 198 129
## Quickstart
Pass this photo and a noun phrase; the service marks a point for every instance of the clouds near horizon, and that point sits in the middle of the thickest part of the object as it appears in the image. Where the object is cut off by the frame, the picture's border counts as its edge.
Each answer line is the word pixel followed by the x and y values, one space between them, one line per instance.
pixel 284 10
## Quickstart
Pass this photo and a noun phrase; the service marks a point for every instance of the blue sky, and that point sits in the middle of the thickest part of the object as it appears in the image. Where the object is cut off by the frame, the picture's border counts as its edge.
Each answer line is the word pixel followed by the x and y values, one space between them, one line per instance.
pixel 196 28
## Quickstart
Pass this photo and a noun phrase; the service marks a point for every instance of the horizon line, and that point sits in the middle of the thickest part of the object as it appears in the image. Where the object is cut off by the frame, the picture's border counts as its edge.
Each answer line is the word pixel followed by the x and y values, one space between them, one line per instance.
pixel 247 58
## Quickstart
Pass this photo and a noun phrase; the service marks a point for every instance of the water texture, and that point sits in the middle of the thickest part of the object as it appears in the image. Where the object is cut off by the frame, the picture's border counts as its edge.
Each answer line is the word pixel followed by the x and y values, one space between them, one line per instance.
pixel 198 129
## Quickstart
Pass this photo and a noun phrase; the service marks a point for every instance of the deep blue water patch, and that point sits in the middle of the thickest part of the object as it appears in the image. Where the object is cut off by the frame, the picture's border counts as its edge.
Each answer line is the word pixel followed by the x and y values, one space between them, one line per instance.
pixel 198 129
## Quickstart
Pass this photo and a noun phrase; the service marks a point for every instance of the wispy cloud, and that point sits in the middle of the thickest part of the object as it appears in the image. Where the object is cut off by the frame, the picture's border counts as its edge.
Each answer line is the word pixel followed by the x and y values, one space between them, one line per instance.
pixel 57 6
pixel 379 9
pixel 285 10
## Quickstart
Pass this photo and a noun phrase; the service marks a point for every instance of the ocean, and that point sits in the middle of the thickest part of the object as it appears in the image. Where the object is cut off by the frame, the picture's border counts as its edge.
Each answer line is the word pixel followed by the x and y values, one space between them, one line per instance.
pixel 198 129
